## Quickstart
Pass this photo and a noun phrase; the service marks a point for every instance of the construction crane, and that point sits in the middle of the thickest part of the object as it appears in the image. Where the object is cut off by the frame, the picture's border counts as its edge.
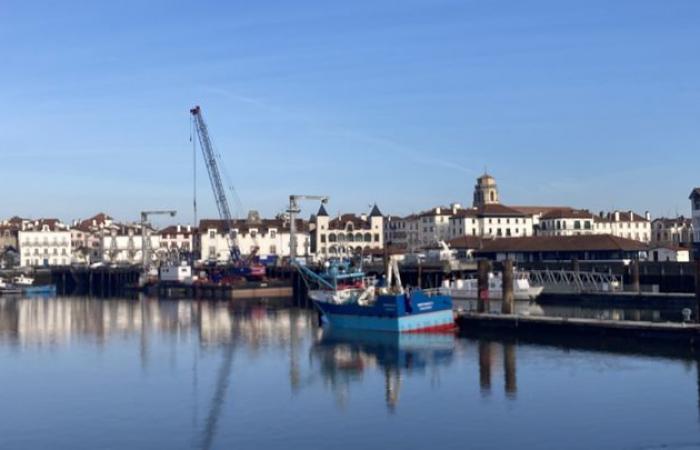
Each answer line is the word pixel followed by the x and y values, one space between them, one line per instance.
pixel 293 211
pixel 212 163
pixel 145 237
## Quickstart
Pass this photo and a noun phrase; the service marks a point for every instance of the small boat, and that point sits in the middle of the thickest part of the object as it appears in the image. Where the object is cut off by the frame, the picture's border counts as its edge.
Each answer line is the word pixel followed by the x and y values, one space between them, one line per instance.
pixel 22 280
pixel 468 289
pixel 349 300
pixel 7 288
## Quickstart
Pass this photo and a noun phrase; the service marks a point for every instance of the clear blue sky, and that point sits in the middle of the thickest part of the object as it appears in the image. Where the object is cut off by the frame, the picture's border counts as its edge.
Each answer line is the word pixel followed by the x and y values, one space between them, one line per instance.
pixel 594 104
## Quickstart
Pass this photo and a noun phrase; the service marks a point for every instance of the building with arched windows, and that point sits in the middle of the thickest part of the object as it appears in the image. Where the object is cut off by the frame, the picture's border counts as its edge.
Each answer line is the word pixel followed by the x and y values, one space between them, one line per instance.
pixel 346 234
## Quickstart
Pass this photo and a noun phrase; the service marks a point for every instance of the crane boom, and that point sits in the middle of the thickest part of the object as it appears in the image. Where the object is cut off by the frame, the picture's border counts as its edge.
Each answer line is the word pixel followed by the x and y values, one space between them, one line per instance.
pixel 217 185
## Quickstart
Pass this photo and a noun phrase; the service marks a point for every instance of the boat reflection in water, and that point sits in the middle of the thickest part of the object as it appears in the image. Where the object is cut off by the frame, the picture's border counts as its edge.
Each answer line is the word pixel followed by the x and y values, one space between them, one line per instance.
pixel 347 355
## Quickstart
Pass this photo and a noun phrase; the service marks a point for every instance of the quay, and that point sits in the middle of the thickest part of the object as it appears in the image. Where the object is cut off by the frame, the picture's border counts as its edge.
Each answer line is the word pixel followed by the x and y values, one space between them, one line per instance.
pixel 513 324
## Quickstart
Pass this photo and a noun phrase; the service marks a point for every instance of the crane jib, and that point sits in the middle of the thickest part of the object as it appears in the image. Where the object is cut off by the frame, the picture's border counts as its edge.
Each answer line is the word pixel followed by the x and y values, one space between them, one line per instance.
pixel 212 164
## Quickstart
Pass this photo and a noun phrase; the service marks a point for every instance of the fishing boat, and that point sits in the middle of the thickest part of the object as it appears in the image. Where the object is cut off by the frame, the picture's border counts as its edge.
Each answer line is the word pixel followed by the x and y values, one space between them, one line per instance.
pixel 23 284
pixel 7 288
pixel 468 289
pixel 350 300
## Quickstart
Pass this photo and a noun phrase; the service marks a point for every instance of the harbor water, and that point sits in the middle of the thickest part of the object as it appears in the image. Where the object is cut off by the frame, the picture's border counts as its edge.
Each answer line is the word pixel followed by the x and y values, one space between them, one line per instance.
pixel 78 373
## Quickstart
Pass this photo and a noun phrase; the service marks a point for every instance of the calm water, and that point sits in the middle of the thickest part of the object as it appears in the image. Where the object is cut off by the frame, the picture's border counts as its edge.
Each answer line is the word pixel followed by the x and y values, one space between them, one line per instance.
pixel 125 374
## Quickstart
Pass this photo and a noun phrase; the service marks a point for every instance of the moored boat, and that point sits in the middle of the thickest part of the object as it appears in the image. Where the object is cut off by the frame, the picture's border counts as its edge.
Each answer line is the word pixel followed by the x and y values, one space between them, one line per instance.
pixel 468 289
pixel 350 300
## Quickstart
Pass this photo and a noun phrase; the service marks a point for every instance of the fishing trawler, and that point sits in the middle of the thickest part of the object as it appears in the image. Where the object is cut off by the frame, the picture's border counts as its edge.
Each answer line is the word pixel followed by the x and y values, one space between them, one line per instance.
pixel 22 284
pixel 347 299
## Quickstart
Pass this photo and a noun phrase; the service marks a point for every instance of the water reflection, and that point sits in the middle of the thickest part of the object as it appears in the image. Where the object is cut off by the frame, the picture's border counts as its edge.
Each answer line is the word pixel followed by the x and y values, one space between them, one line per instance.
pixel 217 376
pixel 580 312
pixel 345 356
pixel 58 321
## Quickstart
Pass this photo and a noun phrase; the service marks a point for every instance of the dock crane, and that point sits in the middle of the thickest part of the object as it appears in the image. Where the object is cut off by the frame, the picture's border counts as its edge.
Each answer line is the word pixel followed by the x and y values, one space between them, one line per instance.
pixel 293 211
pixel 217 186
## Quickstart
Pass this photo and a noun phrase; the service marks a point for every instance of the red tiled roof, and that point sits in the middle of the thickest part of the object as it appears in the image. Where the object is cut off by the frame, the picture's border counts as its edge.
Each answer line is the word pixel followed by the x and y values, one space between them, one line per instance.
pixel 599 242
pixel 172 230
pixel 497 209
pixel 243 226
pixel 466 242
pixel 339 223
pixel 532 210
pixel 568 213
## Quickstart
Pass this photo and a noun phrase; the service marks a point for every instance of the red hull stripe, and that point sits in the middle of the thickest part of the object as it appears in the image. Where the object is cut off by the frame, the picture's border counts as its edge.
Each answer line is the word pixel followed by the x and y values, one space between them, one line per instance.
pixel 445 327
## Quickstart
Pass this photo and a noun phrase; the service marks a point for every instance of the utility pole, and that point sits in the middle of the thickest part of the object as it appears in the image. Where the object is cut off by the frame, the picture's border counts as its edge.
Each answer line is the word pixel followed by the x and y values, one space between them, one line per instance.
pixel 293 211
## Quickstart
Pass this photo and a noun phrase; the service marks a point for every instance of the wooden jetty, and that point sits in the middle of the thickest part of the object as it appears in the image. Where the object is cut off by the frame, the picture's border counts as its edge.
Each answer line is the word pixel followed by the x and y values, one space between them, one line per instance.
pixel 512 323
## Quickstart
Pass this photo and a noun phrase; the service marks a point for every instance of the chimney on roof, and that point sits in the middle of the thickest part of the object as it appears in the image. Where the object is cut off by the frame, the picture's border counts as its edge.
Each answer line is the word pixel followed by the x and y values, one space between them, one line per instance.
pixel 179 228
pixel 631 215
pixel 647 215
pixel 601 214
pixel 455 207
pixel 437 210
pixel 617 216
pixel 363 217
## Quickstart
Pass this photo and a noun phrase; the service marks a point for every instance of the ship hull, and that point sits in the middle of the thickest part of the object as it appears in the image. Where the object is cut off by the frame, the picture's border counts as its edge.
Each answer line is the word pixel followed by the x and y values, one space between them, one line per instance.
pixel 432 322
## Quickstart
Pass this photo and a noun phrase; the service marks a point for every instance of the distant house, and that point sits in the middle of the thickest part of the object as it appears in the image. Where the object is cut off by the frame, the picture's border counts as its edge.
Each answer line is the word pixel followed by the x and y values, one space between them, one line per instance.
pixel 44 242
pixel 563 248
pixel 676 232
pixel 9 258
pixel 664 253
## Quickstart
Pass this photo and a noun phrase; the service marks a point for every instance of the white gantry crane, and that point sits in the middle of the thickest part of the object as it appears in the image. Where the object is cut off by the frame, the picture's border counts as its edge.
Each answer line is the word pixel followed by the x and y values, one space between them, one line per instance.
pixel 293 211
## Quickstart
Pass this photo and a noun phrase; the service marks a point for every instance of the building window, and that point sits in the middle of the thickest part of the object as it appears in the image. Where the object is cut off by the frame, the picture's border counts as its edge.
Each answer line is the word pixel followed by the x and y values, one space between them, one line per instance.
pixel 376 237
pixel 273 234
pixel 212 234
pixel 273 250
pixel 323 238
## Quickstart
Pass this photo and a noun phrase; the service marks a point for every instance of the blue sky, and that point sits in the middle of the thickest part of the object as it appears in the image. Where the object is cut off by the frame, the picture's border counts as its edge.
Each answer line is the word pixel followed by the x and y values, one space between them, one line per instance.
pixel 593 104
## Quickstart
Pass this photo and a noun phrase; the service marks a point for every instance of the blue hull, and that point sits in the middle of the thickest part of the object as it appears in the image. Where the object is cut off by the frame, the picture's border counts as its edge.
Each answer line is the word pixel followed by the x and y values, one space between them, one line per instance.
pixel 397 313
pixel 44 289
pixel 426 322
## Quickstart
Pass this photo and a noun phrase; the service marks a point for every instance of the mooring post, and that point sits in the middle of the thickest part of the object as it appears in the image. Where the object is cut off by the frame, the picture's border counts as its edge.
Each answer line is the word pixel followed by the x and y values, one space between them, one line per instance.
pixel 507 283
pixel 483 274
pixel 420 275
pixel 634 274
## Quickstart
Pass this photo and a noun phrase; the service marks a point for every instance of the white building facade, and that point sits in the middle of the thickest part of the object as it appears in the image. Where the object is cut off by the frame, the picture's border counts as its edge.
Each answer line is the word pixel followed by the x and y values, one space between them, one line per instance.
pixel 674 232
pixel 567 222
pixel 627 224
pixel 44 243
pixel 267 238
pixel 87 237
pixel 124 246
pixel 346 234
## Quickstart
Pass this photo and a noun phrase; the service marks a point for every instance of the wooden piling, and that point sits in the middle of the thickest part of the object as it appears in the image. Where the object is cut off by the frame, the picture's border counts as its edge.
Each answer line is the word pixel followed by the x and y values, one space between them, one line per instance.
pixel 507 283
pixel 420 275
pixel 634 275
pixel 483 294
